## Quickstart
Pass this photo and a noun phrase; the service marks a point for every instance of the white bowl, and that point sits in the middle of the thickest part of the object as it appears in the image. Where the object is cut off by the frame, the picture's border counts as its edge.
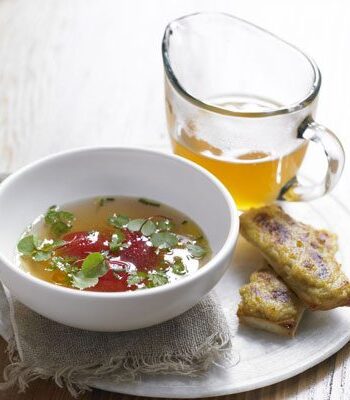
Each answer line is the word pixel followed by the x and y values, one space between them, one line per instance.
pixel 83 173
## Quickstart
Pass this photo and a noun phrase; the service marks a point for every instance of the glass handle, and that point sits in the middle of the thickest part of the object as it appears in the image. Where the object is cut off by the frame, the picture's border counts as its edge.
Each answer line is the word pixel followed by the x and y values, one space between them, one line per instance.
pixel 333 149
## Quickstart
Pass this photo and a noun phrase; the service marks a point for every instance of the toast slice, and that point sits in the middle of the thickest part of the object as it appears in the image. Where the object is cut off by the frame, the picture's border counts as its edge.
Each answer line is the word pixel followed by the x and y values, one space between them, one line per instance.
pixel 267 303
pixel 302 256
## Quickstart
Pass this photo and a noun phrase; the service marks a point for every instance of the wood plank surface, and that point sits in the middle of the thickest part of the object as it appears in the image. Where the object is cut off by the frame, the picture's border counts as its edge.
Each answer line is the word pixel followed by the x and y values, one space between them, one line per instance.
pixel 89 72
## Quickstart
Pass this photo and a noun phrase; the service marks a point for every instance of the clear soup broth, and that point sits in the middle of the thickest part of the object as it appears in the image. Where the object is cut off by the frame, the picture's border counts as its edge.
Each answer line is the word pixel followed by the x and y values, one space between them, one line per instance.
pixel 112 244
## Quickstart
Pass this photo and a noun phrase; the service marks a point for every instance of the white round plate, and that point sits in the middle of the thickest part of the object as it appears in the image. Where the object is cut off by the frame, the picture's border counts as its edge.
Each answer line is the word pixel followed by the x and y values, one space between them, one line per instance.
pixel 264 358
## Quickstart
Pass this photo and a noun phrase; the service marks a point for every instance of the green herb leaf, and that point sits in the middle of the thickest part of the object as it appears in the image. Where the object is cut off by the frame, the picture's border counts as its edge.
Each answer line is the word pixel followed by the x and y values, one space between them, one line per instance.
pixel 64 264
pixel 164 224
pixel 39 250
pixel 178 267
pixel 51 215
pixel 136 279
pixel 41 256
pixel 94 266
pixel 59 228
pixel 80 281
pixel 117 241
pixel 66 217
pixel 48 244
pixel 37 242
pixel 149 202
pixel 26 245
pixel 135 224
pixel 58 243
pixel 157 279
pixel 196 250
pixel 60 221
pixel 119 221
pixel 101 201
pixel 148 228
pixel 164 240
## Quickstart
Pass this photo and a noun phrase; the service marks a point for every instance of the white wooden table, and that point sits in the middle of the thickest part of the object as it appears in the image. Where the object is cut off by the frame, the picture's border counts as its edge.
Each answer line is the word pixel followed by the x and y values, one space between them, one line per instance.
pixel 89 72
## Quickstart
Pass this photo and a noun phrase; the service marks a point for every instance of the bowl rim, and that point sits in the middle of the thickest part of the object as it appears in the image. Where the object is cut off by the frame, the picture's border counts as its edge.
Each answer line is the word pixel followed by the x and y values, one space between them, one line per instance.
pixel 224 251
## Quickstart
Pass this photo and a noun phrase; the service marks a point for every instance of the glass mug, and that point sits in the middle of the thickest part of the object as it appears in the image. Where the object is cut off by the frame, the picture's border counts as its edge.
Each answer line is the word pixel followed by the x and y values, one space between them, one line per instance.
pixel 240 102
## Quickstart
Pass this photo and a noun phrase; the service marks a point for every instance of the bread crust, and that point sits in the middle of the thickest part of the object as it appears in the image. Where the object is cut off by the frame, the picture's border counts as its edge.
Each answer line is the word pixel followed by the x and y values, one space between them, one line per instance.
pixel 302 256
pixel 268 304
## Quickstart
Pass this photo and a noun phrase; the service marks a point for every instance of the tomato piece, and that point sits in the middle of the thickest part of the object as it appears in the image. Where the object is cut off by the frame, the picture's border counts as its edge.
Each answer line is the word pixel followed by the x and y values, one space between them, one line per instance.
pixel 139 253
pixel 81 244
pixel 112 282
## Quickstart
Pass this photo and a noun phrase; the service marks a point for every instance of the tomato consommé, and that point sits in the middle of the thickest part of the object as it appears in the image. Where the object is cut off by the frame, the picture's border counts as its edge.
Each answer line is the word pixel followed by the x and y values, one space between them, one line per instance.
pixel 112 244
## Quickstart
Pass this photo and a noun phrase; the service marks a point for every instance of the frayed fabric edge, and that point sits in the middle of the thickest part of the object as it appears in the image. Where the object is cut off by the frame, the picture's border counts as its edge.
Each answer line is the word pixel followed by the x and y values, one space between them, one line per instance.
pixel 77 379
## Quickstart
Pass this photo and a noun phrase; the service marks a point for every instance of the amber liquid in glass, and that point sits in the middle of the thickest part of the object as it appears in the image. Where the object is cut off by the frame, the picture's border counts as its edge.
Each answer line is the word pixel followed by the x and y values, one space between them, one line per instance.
pixel 254 178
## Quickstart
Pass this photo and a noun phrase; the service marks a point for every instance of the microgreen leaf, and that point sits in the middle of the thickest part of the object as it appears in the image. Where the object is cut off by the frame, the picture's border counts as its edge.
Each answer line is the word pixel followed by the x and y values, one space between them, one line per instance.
pixel 37 242
pixel 196 250
pixel 26 245
pixel 136 279
pixel 39 250
pixel 41 256
pixel 164 240
pixel 119 221
pixel 51 215
pixel 135 224
pixel 178 267
pixel 158 278
pixel 60 221
pixel 149 202
pixel 66 217
pixel 148 228
pixel 64 264
pixel 117 240
pixel 101 201
pixel 59 228
pixel 48 244
pixel 94 266
pixel 164 224
pixel 80 281
pixel 58 243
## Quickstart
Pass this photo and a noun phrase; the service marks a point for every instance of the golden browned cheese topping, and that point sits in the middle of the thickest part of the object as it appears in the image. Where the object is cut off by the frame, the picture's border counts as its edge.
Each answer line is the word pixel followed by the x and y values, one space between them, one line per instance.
pixel 267 297
pixel 304 257
pixel 309 251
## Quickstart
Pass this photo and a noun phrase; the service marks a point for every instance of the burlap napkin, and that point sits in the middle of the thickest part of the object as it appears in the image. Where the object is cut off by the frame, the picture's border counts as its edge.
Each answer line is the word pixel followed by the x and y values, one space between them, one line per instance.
pixel 41 348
